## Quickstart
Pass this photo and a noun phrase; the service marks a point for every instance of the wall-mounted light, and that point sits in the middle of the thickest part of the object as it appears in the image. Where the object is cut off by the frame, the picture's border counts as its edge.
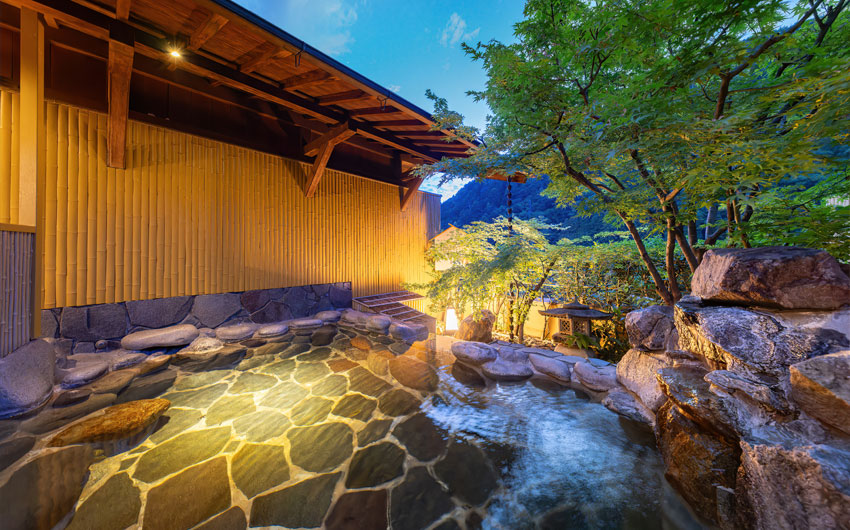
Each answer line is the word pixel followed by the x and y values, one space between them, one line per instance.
pixel 175 54
pixel 451 319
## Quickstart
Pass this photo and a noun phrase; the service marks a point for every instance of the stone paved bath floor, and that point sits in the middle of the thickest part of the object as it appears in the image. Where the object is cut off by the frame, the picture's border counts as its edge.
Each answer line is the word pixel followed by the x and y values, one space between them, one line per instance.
pixel 319 440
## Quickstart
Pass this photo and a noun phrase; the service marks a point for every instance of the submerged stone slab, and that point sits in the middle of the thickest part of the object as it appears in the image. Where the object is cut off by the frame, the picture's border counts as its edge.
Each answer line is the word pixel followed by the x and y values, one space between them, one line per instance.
pixel 251 382
pixel 311 410
pixel 821 386
pixel 421 436
pixel 175 421
pixel 180 452
pixel 113 506
pixel 232 519
pixel 284 396
pixel 43 491
pixel 360 380
pixel 785 277
pixel 398 403
pixel 320 448
pixel 375 465
pixel 467 472
pixel 190 497
pixel 14 449
pixel 363 510
pixel 197 399
pixel 171 336
pixel 418 501
pixel 302 505
pixel 256 468
pixel 323 336
pixel 413 373
pixel 373 431
pixel 229 407
pixel 148 387
pixel 356 407
pixel 331 386
pixel 26 378
pixel 261 425
pixel 119 426
pixel 361 343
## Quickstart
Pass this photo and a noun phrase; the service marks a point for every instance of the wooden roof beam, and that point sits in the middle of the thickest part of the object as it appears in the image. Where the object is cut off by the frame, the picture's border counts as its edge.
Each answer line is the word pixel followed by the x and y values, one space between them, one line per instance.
pixel 206 31
pixel 336 135
pixel 97 24
pixel 309 78
pixel 386 109
pixel 399 123
pixel 343 97
pixel 120 68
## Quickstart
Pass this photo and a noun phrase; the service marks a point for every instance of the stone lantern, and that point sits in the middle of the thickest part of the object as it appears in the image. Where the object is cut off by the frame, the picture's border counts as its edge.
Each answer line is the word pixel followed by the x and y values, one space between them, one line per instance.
pixel 574 318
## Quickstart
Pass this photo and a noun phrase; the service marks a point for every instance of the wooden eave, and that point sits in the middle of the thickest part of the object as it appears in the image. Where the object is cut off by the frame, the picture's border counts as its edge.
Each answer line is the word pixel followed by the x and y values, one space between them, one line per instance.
pixel 217 41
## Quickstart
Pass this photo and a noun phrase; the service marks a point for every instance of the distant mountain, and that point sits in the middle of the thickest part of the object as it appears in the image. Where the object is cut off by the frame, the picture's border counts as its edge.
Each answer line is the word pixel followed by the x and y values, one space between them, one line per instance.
pixel 487 200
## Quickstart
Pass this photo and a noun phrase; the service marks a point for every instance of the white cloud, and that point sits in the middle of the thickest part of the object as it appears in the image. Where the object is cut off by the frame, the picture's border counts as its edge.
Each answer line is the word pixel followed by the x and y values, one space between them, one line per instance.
pixel 455 31
pixel 394 88
pixel 324 24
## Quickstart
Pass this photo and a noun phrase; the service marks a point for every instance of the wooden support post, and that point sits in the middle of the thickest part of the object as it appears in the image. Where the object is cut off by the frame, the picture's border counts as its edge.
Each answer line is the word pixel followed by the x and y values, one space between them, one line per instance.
pixel 410 193
pixel 120 70
pixel 32 149
pixel 322 147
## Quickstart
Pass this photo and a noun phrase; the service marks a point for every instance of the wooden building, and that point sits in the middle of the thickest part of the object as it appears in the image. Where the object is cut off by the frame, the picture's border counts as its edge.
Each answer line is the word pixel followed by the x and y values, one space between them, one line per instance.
pixel 159 148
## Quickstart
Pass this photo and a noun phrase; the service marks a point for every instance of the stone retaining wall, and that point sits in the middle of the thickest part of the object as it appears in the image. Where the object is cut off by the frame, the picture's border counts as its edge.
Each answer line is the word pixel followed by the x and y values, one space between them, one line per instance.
pixel 87 329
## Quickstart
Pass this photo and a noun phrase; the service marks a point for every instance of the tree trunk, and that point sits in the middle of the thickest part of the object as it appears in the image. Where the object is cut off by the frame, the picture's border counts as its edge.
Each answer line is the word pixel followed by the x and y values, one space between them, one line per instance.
pixel 709 219
pixel 670 259
pixel 693 238
pixel 660 288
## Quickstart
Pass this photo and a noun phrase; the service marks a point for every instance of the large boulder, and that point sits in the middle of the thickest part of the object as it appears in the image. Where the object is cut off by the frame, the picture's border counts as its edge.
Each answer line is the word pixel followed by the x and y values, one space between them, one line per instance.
pixel 697 462
pixel 625 404
pixel 821 386
pixel 408 333
pixel 477 328
pixel 508 371
pixel 179 335
pixel 784 277
pixel 652 328
pixel 474 353
pixel 749 341
pixel 554 367
pixel 26 378
pixel 637 372
pixel 599 378
pixel 789 486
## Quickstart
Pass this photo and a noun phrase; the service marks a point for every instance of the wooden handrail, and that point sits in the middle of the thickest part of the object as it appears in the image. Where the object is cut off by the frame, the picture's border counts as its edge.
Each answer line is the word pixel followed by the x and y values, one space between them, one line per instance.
pixel 5 227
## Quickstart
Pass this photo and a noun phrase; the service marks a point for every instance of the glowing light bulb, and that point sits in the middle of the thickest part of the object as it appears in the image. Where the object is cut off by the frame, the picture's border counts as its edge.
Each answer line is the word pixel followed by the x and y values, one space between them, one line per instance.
pixel 451 320
pixel 175 53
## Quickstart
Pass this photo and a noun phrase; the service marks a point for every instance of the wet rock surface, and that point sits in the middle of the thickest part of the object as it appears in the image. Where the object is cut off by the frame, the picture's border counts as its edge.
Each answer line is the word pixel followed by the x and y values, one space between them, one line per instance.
pixel 821 387
pixel 26 378
pixel 784 277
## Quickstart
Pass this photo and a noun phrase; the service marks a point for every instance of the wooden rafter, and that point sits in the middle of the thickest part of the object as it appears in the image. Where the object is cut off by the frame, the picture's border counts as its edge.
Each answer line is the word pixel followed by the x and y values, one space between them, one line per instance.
pixel 120 68
pixel 122 9
pixel 398 123
pixel 259 57
pixel 343 97
pixel 410 193
pixel 206 31
pixel 309 78
pixel 97 24
pixel 386 109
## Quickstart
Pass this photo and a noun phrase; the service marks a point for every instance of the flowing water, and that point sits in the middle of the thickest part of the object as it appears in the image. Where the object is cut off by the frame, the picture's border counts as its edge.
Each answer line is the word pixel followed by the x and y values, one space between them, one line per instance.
pixel 317 439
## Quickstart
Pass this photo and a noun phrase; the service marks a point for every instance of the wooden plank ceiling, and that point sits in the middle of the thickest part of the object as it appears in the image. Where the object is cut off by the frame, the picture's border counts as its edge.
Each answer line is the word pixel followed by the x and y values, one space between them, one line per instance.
pixel 227 45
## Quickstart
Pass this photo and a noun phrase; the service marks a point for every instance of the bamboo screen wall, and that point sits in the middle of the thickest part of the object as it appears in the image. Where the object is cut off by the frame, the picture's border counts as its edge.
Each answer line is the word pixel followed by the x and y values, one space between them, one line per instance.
pixel 16 253
pixel 196 216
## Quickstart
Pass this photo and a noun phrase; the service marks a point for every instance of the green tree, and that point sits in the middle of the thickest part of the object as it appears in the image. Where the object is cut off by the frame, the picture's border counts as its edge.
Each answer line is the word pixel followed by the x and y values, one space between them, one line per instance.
pixel 654 111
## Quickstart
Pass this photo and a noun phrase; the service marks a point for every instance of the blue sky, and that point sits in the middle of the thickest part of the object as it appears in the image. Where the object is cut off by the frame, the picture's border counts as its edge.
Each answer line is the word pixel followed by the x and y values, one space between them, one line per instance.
pixel 405 46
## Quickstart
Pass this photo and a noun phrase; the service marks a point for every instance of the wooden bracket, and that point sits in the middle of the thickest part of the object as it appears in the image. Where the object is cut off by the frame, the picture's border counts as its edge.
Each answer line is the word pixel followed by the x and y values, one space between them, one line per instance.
pixel 410 193
pixel 122 9
pixel 120 70
pixel 322 148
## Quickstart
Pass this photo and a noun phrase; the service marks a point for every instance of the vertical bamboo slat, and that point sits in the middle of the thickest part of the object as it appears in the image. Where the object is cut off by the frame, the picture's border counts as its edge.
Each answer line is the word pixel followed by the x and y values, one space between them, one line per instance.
pixel 193 216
